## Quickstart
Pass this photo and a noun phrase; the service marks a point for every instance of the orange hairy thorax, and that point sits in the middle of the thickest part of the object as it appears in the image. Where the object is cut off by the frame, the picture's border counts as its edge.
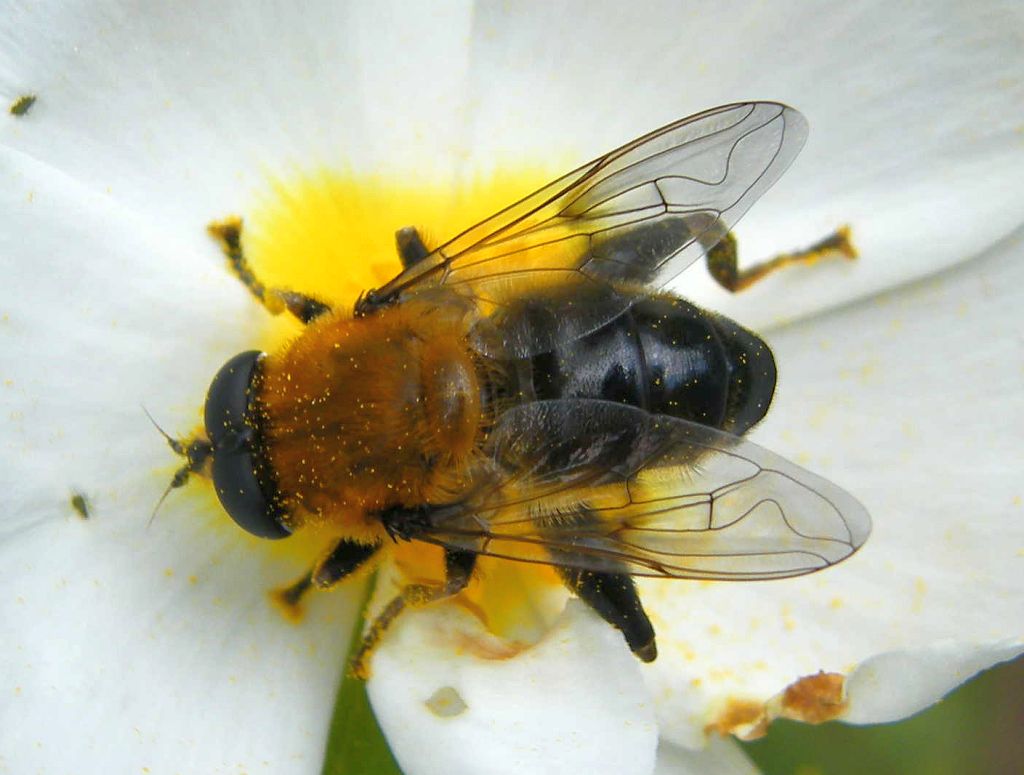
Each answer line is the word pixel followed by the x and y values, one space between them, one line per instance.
pixel 359 414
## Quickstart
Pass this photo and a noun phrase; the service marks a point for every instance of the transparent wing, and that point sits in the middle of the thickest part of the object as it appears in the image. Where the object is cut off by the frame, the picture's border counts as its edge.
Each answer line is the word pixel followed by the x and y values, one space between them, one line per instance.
pixel 604 486
pixel 640 214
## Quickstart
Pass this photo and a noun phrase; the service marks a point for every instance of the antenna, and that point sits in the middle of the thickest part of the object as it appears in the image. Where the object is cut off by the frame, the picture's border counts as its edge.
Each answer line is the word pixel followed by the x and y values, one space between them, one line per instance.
pixel 176 445
pixel 195 453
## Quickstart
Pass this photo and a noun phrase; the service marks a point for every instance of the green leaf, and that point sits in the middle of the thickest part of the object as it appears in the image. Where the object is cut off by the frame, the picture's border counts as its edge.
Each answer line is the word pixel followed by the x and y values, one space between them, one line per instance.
pixel 355 744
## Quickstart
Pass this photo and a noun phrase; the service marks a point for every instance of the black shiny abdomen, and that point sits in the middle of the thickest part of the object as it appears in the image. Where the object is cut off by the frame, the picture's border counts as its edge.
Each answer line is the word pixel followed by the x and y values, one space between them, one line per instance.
pixel 666 356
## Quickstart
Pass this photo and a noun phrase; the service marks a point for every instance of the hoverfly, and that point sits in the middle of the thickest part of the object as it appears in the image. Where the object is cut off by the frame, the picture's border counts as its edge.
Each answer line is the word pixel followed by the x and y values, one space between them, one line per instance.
pixel 528 390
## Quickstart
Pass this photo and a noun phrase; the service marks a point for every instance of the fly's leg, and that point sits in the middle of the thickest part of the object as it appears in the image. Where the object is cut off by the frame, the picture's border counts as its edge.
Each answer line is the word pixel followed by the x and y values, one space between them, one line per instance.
pixel 722 259
pixel 228 234
pixel 288 600
pixel 458 570
pixel 411 249
pixel 344 559
pixel 614 597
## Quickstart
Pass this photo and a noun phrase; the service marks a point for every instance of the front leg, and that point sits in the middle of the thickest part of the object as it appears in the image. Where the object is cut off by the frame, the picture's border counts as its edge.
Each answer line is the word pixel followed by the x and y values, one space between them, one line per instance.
pixel 228 234
pixel 344 559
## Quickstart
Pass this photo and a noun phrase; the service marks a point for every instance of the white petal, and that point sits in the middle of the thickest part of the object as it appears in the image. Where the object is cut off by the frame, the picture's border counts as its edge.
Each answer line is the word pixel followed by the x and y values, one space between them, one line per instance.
pixel 125 646
pixel 721 757
pixel 911 403
pixel 914 112
pixel 919 135
pixel 897 684
pixel 178 133
pixel 183 114
pixel 554 708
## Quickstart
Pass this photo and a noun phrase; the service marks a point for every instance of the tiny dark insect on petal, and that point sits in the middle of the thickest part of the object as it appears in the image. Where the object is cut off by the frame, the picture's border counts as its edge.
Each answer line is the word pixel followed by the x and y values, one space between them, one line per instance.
pixel 81 505
pixel 22 105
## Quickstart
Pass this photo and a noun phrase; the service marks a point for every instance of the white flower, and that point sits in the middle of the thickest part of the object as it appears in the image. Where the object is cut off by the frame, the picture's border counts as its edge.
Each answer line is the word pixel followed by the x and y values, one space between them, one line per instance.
pixel 123 648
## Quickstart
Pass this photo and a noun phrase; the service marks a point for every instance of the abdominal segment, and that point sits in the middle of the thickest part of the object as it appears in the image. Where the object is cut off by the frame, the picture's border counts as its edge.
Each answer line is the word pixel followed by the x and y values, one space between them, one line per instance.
pixel 666 356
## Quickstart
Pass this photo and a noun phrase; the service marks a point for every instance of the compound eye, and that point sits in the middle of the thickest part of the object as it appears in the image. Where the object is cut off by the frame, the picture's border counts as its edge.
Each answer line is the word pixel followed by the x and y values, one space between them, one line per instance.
pixel 241 478
pixel 227 401
pixel 244 496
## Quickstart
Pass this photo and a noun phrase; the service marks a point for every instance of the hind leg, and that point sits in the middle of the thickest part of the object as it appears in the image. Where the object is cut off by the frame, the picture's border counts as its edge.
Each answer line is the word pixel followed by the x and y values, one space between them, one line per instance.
pixel 614 597
pixel 458 570
pixel 723 259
